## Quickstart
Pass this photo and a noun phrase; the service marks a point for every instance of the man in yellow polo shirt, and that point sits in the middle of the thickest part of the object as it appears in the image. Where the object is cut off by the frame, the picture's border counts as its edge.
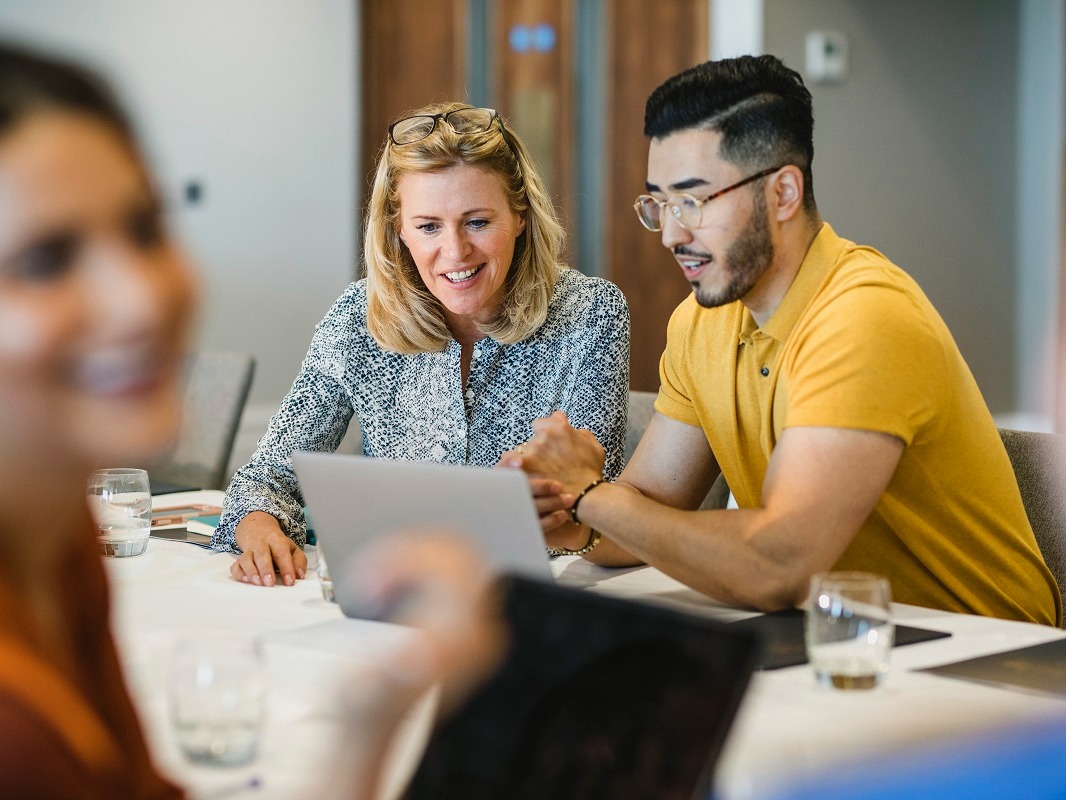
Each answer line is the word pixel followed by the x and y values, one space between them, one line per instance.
pixel 811 371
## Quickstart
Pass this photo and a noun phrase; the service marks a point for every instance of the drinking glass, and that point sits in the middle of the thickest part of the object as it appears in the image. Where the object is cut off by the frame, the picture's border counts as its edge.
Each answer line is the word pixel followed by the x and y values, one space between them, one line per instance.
pixel 121 504
pixel 849 629
pixel 217 696
pixel 325 581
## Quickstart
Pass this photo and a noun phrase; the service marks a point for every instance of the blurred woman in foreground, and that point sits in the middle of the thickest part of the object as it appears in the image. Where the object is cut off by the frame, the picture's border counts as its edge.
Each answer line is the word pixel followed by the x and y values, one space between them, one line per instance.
pixel 95 301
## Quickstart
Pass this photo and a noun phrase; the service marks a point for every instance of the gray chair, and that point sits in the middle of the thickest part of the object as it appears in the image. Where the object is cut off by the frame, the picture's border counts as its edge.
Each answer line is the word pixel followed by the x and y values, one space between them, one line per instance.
pixel 1039 461
pixel 216 388
pixel 641 410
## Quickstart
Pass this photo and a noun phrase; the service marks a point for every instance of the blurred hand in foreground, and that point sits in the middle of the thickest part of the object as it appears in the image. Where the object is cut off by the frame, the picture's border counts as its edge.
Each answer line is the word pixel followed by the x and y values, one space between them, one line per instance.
pixel 438 584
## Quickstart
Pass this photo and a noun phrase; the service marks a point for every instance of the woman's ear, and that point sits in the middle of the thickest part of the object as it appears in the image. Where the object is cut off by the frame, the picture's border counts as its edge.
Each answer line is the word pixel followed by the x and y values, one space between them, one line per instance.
pixel 521 223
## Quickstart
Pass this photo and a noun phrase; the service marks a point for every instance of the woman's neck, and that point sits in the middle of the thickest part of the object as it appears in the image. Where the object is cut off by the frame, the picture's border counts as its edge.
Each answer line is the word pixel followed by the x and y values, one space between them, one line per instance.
pixel 42 514
pixel 467 333
pixel 42 509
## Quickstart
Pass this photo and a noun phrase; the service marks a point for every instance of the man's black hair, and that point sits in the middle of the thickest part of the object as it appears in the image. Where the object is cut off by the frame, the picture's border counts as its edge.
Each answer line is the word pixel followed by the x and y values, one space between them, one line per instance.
pixel 760 107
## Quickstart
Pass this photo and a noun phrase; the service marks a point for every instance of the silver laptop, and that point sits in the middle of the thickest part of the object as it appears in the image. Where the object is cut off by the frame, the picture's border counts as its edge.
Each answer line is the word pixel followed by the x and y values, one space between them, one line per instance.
pixel 353 500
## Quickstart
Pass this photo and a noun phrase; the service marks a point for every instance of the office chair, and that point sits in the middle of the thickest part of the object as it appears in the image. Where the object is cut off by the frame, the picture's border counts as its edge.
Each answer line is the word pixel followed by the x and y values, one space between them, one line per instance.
pixel 641 410
pixel 1039 461
pixel 216 388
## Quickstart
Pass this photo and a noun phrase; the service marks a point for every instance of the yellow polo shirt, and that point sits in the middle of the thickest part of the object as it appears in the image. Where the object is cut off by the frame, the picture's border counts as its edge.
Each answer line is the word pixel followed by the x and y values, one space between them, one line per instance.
pixel 856 344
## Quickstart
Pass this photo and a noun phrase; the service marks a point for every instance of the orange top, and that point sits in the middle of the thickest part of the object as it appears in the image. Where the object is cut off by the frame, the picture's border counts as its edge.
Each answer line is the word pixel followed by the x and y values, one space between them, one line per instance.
pixel 73 736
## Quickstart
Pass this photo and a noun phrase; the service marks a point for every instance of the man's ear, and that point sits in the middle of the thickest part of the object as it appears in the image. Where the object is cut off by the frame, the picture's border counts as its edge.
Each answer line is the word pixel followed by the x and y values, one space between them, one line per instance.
pixel 787 188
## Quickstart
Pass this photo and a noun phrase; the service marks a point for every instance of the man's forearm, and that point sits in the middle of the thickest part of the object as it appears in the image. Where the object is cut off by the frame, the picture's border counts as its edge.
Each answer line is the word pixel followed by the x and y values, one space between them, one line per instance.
pixel 710 551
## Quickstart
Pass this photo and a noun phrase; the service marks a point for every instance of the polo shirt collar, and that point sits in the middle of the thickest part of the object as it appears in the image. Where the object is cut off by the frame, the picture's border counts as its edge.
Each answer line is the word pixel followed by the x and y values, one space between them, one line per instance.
pixel 820 258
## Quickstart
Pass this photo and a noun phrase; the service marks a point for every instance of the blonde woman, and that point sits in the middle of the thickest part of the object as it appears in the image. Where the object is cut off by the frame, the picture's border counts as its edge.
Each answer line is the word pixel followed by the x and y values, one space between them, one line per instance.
pixel 466 329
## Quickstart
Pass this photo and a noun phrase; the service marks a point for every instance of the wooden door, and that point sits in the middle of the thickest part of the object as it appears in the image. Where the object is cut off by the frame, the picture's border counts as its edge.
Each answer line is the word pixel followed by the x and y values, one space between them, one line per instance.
pixel 414 53
pixel 417 51
pixel 532 88
pixel 647 43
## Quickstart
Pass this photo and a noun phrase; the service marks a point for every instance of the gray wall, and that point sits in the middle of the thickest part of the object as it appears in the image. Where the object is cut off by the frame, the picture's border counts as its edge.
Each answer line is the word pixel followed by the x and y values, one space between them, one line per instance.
pixel 257 100
pixel 915 153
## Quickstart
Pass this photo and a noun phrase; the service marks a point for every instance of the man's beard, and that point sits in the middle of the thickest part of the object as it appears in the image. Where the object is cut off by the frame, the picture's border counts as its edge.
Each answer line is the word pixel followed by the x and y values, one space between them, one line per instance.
pixel 747 259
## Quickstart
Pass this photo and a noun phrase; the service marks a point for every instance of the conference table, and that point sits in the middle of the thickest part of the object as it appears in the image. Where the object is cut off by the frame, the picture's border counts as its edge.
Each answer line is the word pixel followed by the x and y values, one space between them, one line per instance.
pixel 789 729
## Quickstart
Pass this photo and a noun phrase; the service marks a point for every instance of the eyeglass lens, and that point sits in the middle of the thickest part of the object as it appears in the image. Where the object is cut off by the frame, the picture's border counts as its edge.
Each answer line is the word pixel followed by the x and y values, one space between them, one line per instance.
pixel 648 211
pixel 462 120
pixel 470 120
pixel 413 128
pixel 684 209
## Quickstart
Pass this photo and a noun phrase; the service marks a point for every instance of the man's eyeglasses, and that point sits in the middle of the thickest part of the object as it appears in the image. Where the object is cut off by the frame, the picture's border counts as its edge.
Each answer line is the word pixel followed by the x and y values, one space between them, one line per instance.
pixel 686 210
pixel 463 120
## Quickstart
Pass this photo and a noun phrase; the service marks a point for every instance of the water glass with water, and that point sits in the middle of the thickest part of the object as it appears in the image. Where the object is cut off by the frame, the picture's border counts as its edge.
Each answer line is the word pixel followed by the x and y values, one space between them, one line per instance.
pixel 121 504
pixel 217 696
pixel 849 629
pixel 325 580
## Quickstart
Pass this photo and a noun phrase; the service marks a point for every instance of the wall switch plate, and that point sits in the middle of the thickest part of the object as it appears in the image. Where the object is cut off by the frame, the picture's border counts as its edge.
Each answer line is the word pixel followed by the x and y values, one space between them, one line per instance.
pixel 827 57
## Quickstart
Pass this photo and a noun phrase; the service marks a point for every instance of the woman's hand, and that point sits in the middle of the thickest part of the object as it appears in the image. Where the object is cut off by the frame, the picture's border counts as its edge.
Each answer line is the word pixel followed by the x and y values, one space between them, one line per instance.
pixel 438 583
pixel 553 504
pixel 266 550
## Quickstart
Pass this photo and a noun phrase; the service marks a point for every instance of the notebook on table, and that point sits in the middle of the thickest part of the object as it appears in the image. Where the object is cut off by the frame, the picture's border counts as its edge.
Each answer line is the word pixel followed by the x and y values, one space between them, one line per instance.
pixel 157 487
pixel 784 643
pixel 597 697
pixel 355 500
pixel 1038 668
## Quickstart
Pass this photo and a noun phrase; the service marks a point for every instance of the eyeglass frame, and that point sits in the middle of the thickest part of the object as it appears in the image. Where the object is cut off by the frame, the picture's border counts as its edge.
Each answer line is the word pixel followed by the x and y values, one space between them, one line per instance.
pixel 675 210
pixel 443 117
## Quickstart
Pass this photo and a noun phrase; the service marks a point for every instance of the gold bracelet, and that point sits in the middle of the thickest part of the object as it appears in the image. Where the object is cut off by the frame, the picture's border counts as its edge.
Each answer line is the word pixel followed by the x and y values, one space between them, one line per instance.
pixel 581 494
pixel 590 545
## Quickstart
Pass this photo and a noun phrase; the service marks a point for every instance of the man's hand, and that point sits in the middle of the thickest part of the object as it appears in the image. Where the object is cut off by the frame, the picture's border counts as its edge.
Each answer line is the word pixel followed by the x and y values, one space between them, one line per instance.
pixel 560 461
pixel 558 451
pixel 266 550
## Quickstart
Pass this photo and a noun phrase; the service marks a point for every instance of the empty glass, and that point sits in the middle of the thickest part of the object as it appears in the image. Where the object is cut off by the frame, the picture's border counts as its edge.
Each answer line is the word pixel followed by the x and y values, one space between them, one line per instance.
pixel 121 504
pixel 849 629
pixel 217 694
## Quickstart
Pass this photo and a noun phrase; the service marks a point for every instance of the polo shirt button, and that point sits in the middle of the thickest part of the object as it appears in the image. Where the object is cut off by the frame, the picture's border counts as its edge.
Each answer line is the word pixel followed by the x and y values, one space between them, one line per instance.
pixel 437 452
pixel 764 371
pixel 470 394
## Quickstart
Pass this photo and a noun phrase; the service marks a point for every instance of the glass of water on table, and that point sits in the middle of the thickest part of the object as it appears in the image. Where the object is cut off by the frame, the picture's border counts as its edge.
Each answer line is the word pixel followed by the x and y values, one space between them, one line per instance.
pixel 217 694
pixel 849 629
pixel 121 505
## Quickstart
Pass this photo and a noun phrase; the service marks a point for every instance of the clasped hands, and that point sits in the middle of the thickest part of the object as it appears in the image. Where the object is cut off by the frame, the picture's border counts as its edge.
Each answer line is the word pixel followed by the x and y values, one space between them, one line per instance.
pixel 560 461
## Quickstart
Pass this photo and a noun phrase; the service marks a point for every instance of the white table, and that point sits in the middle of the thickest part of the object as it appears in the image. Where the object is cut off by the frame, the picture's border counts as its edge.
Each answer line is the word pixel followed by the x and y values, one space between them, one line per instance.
pixel 788 727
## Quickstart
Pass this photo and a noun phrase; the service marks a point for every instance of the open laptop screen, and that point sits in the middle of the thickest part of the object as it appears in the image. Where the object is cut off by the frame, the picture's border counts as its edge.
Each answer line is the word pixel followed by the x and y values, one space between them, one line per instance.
pixel 596 698
pixel 354 501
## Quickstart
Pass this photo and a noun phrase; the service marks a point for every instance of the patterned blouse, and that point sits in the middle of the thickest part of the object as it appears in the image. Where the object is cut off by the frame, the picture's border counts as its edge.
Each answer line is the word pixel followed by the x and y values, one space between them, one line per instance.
pixel 414 407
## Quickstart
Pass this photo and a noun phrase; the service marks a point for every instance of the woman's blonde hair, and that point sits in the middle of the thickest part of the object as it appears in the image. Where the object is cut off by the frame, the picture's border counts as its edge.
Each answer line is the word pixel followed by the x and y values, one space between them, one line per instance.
pixel 402 314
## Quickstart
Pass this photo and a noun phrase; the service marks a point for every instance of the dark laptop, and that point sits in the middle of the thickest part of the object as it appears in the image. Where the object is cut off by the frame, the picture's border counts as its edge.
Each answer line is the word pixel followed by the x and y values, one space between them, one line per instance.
pixel 597 698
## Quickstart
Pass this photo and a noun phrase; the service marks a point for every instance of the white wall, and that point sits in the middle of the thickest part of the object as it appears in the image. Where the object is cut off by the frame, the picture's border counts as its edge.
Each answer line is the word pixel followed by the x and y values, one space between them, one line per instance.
pixel 1041 135
pixel 736 28
pixel 258 101
pixel 916 153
